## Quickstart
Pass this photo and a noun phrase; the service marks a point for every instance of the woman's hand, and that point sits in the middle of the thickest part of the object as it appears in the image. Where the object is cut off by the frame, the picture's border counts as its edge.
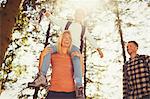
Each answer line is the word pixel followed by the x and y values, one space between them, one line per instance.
pixel 45 51
pixel 76 53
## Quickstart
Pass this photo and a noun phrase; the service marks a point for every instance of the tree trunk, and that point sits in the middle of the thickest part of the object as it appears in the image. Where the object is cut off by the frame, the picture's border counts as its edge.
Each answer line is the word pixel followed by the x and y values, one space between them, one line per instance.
pixel 7 21
pixel 121 35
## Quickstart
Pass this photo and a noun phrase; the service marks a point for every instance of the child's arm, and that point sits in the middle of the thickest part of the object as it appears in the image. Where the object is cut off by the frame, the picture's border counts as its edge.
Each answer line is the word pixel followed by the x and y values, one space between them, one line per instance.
pixel 92 41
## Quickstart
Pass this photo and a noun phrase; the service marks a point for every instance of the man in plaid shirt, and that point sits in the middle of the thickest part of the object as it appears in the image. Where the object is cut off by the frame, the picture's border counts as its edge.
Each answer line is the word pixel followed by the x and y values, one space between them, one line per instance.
pixel 136 74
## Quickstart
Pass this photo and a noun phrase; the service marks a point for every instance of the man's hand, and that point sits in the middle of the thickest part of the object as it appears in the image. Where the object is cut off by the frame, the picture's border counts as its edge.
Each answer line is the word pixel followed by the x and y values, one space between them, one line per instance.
pixel 100 53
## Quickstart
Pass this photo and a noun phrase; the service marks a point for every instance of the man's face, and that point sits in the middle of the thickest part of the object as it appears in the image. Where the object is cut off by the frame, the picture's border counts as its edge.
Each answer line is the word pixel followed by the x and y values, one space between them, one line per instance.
pixel 66 40
pixel 131 48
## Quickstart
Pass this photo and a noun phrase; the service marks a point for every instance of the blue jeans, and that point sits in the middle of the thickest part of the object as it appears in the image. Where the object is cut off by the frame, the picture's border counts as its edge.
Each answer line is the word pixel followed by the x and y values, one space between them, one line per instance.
pixel 75 60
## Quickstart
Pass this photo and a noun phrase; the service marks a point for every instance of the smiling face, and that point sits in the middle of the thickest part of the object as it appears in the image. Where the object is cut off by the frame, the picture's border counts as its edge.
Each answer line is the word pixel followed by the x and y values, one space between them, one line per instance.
pixel 66 40
pixel 131 48
pixel 79 15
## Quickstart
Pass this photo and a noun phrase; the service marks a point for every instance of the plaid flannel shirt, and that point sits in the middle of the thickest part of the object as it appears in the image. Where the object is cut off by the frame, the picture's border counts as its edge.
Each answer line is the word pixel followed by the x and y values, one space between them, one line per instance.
pixel 136 77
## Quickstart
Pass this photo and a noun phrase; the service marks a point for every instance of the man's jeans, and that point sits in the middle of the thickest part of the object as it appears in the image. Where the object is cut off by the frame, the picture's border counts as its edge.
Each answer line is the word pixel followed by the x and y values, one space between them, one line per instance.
pixel 75 60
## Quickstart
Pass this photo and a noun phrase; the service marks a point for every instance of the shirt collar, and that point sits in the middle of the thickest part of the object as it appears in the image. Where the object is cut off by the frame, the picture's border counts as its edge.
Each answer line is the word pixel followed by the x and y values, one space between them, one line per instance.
pixel 137 55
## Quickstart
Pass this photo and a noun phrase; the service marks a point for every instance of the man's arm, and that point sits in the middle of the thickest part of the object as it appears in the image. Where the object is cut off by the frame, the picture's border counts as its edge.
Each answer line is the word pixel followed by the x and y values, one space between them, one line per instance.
pixel 125 83
pixel 147 60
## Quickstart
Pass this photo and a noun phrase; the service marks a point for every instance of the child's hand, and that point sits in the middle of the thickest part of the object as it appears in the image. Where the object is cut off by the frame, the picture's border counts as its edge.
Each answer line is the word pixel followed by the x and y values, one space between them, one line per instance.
pixel 100 53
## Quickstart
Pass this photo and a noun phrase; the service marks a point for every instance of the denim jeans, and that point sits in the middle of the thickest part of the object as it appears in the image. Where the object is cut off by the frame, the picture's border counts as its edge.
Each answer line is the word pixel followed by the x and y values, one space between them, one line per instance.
pixel 75 61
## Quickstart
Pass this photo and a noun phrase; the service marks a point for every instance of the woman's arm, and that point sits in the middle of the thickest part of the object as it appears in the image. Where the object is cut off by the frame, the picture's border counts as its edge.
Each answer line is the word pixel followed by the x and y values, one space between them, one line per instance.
pixel 76 53
pixel 43 53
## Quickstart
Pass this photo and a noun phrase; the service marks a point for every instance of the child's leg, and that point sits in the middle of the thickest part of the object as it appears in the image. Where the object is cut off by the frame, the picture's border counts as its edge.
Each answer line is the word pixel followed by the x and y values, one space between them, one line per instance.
pixel 77 74
pixel 40 80
pixel 77 67
pixel 46 60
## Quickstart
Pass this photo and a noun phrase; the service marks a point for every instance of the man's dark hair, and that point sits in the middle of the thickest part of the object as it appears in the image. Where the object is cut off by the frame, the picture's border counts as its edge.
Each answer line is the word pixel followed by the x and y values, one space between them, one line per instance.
pixel 135 43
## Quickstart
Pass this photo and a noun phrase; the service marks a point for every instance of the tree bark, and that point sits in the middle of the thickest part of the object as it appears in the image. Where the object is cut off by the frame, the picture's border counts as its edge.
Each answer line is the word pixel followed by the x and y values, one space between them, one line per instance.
pixel 7 21
pixel 121 34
